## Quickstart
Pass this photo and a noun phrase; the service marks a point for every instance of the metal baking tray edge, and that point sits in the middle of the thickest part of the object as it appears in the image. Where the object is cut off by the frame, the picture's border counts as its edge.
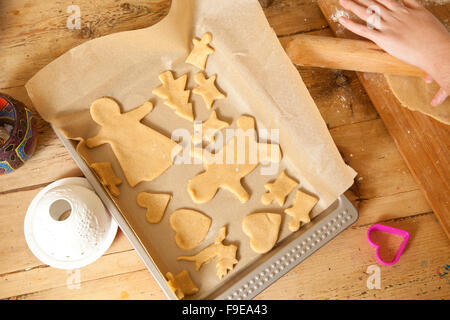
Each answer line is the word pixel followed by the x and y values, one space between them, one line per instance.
pixel 323 228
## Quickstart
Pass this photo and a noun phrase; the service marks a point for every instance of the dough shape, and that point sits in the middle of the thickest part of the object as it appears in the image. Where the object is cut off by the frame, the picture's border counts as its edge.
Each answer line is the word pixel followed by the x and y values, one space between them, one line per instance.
pixel 233 165
pixel 181 284
pixel 143 153
pixel 107 176
pixel 208 129
pixel 303 204
pixel 207 89
pixel 191 227
pixel 173 90
pixel 155 203
pixel 226 255
pixel 262 229
pixel 201 51
pixel 279 189
pixel 415 94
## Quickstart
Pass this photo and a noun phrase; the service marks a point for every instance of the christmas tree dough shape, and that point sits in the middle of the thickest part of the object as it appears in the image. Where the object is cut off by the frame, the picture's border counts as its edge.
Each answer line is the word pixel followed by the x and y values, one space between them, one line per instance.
pixel 207 89
pixel 191 227
pixel 208 129
pixel 226 255
pixel 232 163
pixel 173 90
pixel 143 153
pixel 201 51
pixel 181 284
pixel 155 203
pixel 279 189
pixel 303 204
pixel 107 176
pixel 262 229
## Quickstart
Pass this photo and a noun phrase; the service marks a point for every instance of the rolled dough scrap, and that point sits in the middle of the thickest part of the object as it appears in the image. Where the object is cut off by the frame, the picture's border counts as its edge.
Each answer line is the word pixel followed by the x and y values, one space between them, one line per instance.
pixel 190 226
pixel 181 284
pixel 262 229
pixel 208 129
pixel 201 51
pixel 207 89
pixel 155 203
pixel 107 176
pixel 415 94
pixel 143 153
pixel 303 204
pixel 279 189
pixel 233 162
pixel 226 255
pixel 173 90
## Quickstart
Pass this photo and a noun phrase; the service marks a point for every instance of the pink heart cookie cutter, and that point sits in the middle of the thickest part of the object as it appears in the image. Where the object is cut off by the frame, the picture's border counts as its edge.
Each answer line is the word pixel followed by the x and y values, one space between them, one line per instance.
pixel 399 232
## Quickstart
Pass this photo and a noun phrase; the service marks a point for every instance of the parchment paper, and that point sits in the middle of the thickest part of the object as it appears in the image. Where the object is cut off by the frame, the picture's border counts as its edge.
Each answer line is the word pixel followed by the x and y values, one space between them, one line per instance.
pixel 258 78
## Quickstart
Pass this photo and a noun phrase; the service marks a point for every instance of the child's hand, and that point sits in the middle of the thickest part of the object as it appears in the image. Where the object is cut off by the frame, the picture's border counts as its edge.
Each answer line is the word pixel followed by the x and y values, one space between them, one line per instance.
pixel 408 32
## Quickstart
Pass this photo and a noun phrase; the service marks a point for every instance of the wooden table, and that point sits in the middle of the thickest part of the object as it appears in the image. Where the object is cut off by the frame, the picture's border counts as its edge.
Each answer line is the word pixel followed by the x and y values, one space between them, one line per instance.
pixel 33 33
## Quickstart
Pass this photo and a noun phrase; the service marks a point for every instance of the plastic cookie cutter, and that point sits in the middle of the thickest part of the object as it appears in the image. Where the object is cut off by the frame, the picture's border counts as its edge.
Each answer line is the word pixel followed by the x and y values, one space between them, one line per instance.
pixel 398 232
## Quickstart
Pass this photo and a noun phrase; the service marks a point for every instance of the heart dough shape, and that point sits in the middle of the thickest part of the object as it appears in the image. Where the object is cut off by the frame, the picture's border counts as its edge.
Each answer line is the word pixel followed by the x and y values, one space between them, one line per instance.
pixel 262 229
pixel 191 227
pixel 155 203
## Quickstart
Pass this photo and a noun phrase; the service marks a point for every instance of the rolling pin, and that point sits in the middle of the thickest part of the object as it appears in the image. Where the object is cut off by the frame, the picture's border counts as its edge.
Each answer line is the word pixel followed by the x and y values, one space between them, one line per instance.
pixel 346 54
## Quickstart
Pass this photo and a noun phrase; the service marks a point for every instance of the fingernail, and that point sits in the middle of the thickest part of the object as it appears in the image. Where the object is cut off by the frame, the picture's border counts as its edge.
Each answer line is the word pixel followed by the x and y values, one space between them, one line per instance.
pixel 436 101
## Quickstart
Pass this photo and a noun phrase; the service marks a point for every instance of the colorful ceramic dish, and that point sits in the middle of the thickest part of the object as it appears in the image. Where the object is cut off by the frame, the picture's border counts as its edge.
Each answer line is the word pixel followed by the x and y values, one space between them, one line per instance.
pixel 20 125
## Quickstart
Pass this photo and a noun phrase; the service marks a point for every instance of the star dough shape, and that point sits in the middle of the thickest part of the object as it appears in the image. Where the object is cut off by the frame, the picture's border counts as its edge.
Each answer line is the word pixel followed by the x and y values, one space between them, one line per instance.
pixel 190 226
pixel 226 255
pixel 209 129
pixel 262 229
pixel 107 176
pixel 303 204
pixel 207 89
pixel 234 161
pixel 201 51
pixel 181 284
pixel 143 153
pixel 279 189
pixel 173 90
pixel 155 203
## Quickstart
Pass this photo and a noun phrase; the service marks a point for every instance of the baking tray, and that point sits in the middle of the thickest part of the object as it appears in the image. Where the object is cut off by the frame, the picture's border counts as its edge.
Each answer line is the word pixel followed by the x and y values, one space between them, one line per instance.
pixel 261 273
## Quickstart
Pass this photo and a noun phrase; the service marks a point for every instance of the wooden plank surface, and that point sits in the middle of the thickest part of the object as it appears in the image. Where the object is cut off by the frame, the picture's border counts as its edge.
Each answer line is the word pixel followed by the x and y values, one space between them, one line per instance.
pixel 385 190
pixel 423 142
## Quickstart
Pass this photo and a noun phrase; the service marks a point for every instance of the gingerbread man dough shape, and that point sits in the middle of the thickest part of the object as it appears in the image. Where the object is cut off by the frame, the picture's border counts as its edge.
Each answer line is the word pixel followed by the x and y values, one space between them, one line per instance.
pixel 143 153
pixel 201 51
pixel 233 162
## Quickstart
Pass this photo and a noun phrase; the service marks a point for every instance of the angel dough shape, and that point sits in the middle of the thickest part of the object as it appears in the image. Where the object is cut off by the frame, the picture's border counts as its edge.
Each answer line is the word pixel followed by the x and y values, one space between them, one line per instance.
pixel 143 153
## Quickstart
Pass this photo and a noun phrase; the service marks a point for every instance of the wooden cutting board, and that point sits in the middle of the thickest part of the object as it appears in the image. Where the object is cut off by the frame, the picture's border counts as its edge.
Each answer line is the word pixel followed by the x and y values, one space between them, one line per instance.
pixel 423 142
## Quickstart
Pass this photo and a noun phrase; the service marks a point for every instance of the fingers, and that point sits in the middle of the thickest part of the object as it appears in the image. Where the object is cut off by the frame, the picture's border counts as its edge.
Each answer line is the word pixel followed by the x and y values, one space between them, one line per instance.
pixel 356 8
pixel 390 4
pixel 439 98
pixel 412 4
pixel 359 29
pixel 428 79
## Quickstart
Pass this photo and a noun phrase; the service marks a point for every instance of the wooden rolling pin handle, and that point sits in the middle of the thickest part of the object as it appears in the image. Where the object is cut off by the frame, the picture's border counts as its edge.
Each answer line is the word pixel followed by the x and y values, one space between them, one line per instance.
pixel 346 54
